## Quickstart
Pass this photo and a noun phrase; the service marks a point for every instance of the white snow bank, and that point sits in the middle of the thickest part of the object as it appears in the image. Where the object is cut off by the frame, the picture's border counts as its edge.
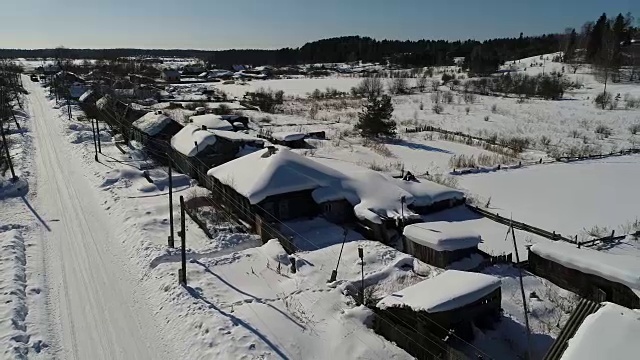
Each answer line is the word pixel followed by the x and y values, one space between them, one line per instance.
pixel 211 121
pixel 447 291
pixel 373 195
pixel 288 136
pixel 610 333
pixel 441 236
pixel 13 297
pixel 152 123
pixel 618 268
pixel 192 139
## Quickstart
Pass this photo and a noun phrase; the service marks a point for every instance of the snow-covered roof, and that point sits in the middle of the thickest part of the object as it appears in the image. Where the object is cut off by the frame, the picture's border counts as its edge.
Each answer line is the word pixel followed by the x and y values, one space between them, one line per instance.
pixel 211 121
pixel 288 136
pixel 236 136
pixel 259 175
pixel 103 102
pixel 374 195
pixel 450 290
pixel 624 269
pixel 427 192
pixel 611 332
pixel 152 123
pixel 186 139
pixel 441 236
pixel 85 96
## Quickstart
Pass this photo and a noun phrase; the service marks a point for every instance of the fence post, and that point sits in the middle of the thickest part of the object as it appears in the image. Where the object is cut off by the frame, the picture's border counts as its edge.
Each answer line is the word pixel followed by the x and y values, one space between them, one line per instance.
pixel 98 136
pixel 183 237
pixel 171 238
pixel 93 130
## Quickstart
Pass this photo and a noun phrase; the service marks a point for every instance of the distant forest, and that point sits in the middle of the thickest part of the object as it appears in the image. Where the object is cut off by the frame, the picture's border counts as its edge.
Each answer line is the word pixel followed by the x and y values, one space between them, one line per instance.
pixel 340 49
pixel 480 57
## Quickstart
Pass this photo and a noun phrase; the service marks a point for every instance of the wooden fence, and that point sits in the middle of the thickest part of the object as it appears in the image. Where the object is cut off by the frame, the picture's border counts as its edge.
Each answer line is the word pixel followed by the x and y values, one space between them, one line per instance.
pixel 520 225
pixel 460 134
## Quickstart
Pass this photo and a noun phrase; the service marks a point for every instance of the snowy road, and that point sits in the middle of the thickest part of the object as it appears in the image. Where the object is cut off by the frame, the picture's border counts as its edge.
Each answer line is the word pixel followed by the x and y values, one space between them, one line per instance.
pixel 96 310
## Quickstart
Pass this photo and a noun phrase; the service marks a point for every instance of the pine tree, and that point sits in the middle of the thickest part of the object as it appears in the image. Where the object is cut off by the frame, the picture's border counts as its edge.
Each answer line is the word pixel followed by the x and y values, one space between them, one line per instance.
pixel 595 37
pixel 570 51
pixel 375 119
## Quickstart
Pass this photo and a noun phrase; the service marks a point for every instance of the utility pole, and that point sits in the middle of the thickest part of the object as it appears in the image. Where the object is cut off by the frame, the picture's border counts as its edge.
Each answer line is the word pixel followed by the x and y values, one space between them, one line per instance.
pixel 93 129
pixel 334 273
pixel 361 256
pixel 171 238
pixel 182 274
pixel 524 298
pixel 98 135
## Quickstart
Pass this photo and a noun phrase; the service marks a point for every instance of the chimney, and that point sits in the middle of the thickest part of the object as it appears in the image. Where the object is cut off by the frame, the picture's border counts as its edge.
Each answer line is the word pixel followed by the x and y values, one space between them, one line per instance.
pixel 271 150
pixel 158 112
pixel 204 127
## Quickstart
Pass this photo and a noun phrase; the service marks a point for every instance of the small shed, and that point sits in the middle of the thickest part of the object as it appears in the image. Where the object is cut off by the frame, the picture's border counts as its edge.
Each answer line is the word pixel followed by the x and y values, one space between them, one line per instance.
pixel 594 275
pixel 452 301
pixel 211 122
pixel 170 75
pixel 154 130
pixel 294 140
pixel 439 243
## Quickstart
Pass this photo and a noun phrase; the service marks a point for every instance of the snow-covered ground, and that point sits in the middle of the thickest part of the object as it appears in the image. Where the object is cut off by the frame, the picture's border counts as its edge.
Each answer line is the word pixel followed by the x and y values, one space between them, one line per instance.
pixel 291 87
pixel 566 198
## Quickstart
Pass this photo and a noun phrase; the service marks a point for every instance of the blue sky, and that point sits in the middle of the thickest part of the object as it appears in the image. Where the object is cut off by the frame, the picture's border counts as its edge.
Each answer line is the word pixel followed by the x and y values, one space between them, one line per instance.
pixel 212 24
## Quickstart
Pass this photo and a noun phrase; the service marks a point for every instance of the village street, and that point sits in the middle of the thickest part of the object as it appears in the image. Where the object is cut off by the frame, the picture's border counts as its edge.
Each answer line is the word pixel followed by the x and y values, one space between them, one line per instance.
pixel 94 309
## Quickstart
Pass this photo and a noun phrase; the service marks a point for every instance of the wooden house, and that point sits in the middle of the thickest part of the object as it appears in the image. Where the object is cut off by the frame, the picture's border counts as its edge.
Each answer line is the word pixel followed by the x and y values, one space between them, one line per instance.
pixel 280 185
pixel 594 275
pixel 196 149
pixel 426 313
pixel 439 243
pixel 154 130
pixel 170 75
pixel 87 103
pixel 118 115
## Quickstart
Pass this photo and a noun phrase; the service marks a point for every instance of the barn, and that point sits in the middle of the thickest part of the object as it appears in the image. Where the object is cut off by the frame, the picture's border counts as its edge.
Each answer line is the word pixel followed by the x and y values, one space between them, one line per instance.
pixel 424 314
pixel 439 243
pixel 594 275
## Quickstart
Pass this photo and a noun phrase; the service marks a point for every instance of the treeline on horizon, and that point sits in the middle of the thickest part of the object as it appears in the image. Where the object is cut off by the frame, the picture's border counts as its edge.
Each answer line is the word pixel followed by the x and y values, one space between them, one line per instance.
pixel 332 50
pixel 480 57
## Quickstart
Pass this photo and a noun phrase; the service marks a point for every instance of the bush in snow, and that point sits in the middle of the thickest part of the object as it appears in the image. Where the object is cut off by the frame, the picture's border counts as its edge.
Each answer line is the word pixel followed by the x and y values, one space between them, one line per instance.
pixel 265 100
pixel 630 102
pixel 486 118
pixel 603 100
pixel 545 141
pixel 603 130
pixel 448 97
pixel 436 97
pixel 398 86
pixel 494 108
pixel 375 119
pixel 634 129
pixel 447 77
pixel 222 109
pixel 467 109
pixel 313 110
pixel 437 108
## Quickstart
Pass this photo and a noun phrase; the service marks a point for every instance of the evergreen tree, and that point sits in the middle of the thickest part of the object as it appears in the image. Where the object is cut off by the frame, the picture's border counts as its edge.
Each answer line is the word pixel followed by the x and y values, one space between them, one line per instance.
pixel 595 37
pixel 572 43
pixel 375 119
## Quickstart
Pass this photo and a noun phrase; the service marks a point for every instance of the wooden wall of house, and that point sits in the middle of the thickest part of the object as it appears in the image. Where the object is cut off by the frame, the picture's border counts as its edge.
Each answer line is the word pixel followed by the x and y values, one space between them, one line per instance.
pixel 434 257
pixel 294 205
pixel 588 286
pixel 338 212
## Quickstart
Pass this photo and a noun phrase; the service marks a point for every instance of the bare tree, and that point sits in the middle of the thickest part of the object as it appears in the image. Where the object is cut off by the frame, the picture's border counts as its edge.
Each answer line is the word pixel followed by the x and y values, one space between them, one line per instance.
pixel 370 87
pixel 421 83
pixel 398 85
pixel 606 63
